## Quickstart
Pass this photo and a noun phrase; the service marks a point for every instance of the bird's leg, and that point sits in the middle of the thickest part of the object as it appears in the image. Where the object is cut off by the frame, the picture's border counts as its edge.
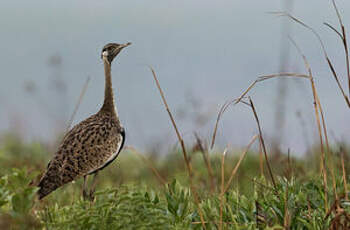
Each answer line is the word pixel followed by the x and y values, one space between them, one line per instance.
pixel 93 187
pixel 85 194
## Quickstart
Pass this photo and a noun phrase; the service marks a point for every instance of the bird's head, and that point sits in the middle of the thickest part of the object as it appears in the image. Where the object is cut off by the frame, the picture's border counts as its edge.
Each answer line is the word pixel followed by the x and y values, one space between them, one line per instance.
pixel 111 50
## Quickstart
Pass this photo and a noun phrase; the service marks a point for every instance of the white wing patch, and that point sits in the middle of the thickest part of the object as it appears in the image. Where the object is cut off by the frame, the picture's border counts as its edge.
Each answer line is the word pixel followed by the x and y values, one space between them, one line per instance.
pixel 111 158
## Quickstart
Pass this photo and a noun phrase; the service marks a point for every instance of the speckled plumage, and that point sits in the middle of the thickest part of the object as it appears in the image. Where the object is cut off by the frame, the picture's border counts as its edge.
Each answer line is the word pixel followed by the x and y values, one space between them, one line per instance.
pixel 90 145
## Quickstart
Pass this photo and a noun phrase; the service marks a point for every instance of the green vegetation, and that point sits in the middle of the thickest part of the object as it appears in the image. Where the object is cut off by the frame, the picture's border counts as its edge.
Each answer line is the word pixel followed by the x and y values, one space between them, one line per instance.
pixel 131 197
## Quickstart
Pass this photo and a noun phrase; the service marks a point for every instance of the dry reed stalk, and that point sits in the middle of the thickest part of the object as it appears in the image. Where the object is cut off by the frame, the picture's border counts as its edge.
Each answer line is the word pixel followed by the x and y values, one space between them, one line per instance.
pixel 342 35
pixel 261 159
pixel 266 77
pixel 329 151
pixel 81 96
pixel 189 167
pixel 316 98
pixel 334 75
pixel 345 43
pixel 323 122
pixel 188 164
pixel 309 209
pixel 222 194
pixel 161 180
pixel 239 99
pixel 286 219
pixel 207 162
pixel 246 91
pixel 221 112
pixel 344 174
pixel 316 109
pixel 346 98
pixel 234 171
pixel 263 143
pixel 235 101
pixel 289 165
pixel 288 172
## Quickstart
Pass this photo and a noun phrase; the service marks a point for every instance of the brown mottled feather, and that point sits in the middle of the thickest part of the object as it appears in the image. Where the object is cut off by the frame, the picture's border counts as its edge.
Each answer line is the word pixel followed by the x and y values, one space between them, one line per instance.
pixel 84 150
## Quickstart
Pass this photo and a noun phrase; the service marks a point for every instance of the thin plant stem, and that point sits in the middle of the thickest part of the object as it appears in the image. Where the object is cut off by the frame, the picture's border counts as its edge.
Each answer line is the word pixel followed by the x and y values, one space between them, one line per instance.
pixel 343 37
pixel 344 174
pixel 207 162
pixel 345 43
pixel 188 164
pixel 316 109
pixel 286 218
pixel 261 159
pixel 234 171
pixel 263 143
pixel 161 180
pixel 222 194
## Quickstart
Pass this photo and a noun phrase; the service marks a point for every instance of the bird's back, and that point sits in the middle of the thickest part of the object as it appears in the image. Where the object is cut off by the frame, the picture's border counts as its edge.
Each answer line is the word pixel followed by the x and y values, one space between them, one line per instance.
pixel 88 147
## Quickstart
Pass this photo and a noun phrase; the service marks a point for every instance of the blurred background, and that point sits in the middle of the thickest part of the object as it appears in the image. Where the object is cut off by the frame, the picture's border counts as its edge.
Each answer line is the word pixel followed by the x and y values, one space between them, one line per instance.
pixel 204 53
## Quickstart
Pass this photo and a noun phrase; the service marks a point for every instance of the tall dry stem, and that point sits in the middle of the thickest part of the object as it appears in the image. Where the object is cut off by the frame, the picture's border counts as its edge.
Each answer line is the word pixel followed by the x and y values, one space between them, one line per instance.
pixel 222 194
pixel 316 108
pixel 342 152
pixel 286 219
pixel 343 37
pixel 188 164
pixel 234 171
pixel 317 111
pixel 222 110
pixel 207 162
pixel 345 43
pixel 161 180
pixel 261 159
pixel 263 143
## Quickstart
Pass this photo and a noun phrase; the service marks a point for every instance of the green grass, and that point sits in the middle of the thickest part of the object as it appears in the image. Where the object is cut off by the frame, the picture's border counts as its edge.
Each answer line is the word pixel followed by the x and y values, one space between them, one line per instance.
pixel 129 195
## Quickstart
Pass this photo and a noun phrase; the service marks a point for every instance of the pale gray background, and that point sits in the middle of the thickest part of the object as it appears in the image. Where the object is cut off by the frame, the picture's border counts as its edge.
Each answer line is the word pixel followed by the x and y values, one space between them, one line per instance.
pixel 211 50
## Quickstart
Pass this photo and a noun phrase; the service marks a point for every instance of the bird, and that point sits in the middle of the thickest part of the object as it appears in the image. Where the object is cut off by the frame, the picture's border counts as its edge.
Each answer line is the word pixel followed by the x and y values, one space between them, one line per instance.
pixel 92 144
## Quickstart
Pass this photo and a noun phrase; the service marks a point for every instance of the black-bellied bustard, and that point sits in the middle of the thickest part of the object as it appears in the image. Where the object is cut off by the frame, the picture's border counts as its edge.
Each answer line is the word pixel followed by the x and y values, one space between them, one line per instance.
pixel 92 144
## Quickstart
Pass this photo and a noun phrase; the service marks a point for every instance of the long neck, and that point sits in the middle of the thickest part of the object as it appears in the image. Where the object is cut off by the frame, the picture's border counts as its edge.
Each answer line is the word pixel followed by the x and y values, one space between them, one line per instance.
pixel 108 104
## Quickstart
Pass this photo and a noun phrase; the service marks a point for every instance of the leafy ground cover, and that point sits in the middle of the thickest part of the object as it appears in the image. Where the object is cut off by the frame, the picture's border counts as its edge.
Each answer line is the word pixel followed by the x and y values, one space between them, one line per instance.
pixel 131 197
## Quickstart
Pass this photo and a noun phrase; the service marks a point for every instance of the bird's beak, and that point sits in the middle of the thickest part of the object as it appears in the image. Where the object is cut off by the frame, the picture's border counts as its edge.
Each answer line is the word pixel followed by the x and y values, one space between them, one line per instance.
pixel 125 45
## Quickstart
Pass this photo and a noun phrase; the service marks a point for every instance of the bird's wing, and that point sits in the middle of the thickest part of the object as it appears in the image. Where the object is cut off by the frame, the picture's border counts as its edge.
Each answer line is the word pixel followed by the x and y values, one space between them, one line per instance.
pixel 111 152
pixel 67 163
pixel 88 147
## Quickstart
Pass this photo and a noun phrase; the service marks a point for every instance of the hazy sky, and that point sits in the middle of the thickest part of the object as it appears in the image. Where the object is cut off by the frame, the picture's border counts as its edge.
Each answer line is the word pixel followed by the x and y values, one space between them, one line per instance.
pixel 206 50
